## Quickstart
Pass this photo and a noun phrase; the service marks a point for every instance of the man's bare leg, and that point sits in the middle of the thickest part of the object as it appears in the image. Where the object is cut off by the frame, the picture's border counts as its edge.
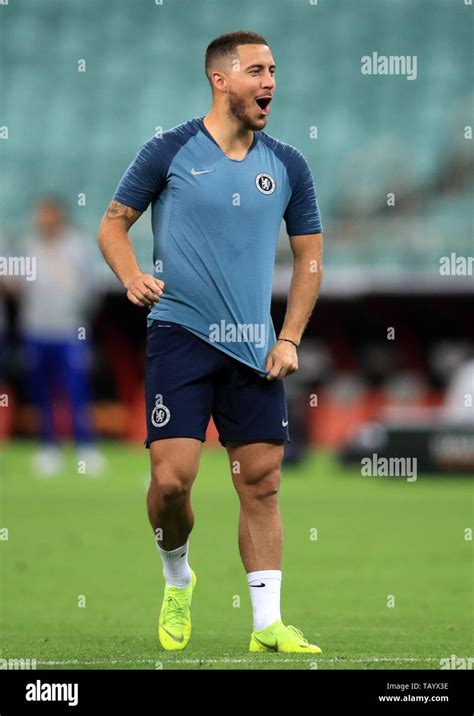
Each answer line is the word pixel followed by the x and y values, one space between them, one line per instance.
pixel 256 474
pixel 174 466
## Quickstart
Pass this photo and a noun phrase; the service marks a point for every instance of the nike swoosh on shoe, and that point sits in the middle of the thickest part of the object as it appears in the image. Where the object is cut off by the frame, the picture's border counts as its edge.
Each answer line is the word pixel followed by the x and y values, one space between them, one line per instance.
pixel 273 647
pixel 178 639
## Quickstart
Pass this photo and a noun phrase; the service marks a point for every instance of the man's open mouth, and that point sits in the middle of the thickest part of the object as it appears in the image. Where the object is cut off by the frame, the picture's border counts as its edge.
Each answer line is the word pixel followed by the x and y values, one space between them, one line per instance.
pixel 264 104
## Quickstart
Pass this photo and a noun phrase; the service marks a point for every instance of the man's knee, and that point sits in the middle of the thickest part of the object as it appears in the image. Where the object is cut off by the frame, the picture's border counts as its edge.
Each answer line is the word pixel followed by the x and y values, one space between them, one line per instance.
pixel 262 484
pixel 172 482
pixel 174 465
pixel 171 490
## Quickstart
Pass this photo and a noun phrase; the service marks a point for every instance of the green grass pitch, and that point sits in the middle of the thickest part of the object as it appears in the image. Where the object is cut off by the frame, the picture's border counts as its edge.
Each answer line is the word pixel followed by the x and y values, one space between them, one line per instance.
pixel 76 536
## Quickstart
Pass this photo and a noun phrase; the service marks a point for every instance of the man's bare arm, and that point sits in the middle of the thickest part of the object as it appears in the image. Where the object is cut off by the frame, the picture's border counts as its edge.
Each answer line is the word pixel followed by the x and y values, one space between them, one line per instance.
pixel 304 289
pixel 116 246
pixel 305 284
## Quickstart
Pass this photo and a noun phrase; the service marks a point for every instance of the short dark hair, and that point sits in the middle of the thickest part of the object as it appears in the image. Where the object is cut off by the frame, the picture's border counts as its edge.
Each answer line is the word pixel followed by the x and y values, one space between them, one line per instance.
pixel 53 199
pixel 223 47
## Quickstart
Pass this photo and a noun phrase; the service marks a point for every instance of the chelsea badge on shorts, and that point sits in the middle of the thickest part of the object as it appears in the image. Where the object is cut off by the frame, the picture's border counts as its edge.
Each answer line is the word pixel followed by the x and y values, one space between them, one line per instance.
pixel 160 414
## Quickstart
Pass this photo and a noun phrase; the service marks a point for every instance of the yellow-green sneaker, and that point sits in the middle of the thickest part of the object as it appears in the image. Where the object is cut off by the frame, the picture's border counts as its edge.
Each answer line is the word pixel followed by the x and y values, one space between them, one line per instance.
pixel 283 639
pixel 174 628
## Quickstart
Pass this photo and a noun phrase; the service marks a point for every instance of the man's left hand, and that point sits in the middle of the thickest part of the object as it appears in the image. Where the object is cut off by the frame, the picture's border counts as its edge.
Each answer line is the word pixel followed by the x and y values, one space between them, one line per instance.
pixel 282 360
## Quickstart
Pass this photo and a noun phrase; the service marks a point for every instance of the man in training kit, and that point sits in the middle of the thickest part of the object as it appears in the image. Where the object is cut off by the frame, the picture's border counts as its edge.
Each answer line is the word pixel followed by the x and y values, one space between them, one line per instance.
pixel 219 188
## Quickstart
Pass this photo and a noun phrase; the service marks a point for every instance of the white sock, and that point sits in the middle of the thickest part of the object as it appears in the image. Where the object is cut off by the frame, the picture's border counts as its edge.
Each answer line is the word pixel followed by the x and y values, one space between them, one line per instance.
pixel 265 599
pixel 176 570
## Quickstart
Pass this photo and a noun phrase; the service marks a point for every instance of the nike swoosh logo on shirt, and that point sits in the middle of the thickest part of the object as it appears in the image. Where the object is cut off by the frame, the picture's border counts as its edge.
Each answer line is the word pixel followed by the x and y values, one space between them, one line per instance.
pixel 284 423
pixel 196 172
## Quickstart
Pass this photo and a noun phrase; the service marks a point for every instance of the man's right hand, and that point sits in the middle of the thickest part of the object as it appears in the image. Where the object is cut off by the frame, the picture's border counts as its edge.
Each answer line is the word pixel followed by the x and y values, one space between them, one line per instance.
pixel 144 290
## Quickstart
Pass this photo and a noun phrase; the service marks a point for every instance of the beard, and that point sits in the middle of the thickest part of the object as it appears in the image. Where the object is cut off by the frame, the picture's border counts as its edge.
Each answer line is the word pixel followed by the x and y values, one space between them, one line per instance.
pixel 237 108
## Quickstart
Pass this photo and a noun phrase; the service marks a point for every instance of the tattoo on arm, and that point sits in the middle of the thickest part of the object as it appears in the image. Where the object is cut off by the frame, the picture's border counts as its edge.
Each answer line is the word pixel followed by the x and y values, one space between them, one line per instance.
pixel 116 210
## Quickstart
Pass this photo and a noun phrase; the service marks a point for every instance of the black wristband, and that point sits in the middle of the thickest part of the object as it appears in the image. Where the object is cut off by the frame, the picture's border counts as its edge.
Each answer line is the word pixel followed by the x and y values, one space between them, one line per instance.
pixel 289 341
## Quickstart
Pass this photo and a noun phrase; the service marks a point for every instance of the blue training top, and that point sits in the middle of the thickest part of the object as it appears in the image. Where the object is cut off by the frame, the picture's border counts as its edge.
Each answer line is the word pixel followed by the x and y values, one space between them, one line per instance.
pixel 216 224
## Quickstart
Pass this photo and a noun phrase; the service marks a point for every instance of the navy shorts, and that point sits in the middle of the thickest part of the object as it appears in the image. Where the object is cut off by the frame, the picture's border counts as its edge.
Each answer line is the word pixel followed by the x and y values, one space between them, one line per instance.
pixel 187 380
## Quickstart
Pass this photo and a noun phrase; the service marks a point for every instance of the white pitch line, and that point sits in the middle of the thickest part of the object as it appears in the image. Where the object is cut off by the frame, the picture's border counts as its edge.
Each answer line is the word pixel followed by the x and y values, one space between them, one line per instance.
pixel 257 660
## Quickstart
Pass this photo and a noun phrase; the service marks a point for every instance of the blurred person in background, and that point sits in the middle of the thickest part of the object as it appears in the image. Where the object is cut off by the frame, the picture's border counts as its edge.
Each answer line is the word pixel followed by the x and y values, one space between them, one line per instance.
pixel 5 414
pixel 457 406
pixel 53 323
pixel 3 387
pixel 3 322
